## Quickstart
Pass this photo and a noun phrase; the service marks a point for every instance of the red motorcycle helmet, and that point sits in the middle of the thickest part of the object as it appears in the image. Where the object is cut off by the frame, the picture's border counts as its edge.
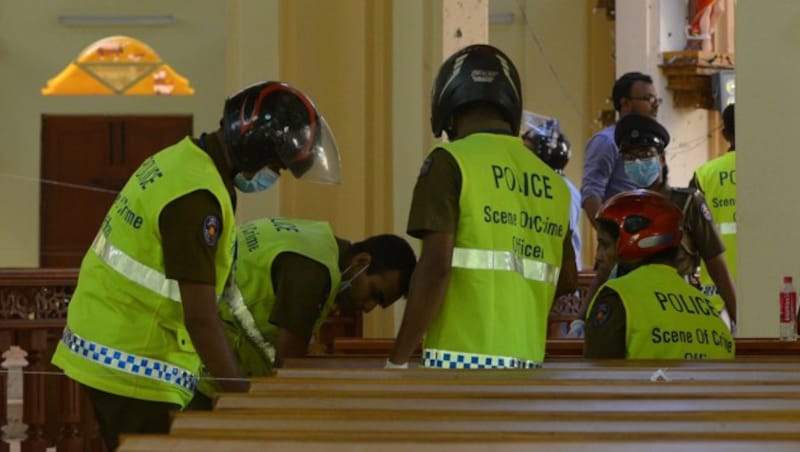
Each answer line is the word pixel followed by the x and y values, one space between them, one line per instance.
pixel 648 223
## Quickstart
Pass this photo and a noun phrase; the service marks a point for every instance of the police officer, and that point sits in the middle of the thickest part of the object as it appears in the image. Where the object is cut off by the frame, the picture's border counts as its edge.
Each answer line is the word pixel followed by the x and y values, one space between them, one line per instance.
pixel 650 312
pixel 143 317
pixel 550 145
pixel 290 273
pixel 494 221
pixel 717 180
pixel 642 141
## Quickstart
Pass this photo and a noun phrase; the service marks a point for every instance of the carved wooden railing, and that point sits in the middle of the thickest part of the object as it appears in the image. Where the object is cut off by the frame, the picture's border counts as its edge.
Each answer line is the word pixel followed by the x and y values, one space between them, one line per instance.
pixel 567 308
pixel 33 308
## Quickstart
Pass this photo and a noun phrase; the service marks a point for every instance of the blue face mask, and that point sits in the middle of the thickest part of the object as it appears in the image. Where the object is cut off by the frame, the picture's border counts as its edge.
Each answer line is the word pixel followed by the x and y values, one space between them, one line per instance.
pixel 347 284
pixel 260 181
pixel 643 172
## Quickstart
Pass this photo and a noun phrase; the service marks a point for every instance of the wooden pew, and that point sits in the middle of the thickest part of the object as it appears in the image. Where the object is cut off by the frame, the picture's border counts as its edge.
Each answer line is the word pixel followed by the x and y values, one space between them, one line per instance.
pixel 573 348
pixel 376 362
pixel 243 443
pixel 488 428
pixel 571 390
pixel 716 375
pixel 399 402
pixel 571 406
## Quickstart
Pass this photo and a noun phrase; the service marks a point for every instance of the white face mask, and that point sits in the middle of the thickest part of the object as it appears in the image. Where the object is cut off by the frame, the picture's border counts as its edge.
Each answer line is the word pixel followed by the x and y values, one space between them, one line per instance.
pixel 260 181
pixel 349 283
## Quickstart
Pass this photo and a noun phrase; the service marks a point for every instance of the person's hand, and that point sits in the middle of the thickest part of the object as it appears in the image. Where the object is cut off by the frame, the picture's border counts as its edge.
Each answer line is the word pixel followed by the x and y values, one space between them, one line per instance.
pixel 391 365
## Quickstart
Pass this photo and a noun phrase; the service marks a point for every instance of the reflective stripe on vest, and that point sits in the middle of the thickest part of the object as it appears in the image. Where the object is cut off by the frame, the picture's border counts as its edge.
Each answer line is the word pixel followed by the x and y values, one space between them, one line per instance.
pixel 446 359
pixel 505 260
pixel 134 270
pixel 130 363
pixel 246 320
pixel 727 228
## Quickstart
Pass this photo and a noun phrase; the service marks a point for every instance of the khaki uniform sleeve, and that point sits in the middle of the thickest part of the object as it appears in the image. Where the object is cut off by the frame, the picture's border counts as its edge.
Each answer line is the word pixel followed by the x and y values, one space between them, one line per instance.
pixel 695 183
pixel 604 328
pixel 188 244
pixel 301 287
pixel 434 206
pixel 706 239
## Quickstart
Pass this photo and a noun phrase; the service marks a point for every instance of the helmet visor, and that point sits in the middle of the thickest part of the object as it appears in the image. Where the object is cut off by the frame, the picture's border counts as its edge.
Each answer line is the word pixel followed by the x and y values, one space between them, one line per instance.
pixel 539 124
pixel 312 154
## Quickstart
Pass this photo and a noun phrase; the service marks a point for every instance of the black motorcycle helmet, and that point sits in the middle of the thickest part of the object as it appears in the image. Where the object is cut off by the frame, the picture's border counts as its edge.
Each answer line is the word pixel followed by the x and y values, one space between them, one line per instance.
pixel 553 149
pixel 273 120
pixel 477 73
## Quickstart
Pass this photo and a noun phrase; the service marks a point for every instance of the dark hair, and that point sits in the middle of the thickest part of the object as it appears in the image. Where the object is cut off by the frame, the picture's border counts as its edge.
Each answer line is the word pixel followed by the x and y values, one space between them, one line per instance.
pixel 623 85
pixel 728 120
pixel 389 252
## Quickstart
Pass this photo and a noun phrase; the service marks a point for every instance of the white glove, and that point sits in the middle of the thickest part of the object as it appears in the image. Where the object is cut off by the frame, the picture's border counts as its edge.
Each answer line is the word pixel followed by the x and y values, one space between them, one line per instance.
pixel 391 365
pixel 726 318
pixel 575 329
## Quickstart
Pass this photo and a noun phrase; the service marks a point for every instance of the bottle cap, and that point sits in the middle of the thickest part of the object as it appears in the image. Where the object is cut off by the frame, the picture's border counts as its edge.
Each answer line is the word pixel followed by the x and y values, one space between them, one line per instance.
pixel 787 279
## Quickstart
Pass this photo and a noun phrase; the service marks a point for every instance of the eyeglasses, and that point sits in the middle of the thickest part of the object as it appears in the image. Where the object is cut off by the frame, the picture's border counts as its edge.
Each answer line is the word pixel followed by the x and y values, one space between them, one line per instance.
pixel 651 99
pixel 639 153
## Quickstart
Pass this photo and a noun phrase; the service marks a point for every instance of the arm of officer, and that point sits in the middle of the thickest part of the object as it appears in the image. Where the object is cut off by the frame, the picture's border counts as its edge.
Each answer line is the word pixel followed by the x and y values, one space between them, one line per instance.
pixel 301 289
pixel 425 294
pixel 605 336
pixel 601 275
pixel 591 205
pixel 289 345
pixel 568 277
pixel 189 258
pixel 208 336
pixel 718 271
pixel 433 217
pixel 711 248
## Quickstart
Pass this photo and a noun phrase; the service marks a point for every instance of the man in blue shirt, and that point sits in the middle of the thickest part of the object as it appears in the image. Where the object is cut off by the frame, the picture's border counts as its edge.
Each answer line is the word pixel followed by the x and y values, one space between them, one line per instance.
pixel 603 171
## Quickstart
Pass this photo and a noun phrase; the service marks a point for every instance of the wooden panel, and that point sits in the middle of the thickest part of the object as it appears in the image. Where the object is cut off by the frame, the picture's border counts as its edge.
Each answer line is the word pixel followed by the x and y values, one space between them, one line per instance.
pixel 85 162
pixel 76 191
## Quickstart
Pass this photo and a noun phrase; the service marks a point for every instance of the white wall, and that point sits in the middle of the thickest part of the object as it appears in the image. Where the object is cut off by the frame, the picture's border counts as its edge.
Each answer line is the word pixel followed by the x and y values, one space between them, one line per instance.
pixel 645 29
pixel 34 48
pixel 548 40
pixel 767 64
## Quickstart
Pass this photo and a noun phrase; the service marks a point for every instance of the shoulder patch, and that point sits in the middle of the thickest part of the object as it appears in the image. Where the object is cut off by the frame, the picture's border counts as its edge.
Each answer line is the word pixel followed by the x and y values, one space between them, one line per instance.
pixel 211 230
pixel 600 314
pixel 706 212
pixel 426 167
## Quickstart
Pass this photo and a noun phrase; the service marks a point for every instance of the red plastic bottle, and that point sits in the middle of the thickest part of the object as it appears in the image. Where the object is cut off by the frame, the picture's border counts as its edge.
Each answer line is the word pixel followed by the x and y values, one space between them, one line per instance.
pixel 788 305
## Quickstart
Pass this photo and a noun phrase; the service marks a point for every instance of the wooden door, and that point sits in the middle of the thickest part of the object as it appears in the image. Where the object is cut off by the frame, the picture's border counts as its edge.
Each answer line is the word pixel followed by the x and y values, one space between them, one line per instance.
pixel 85 162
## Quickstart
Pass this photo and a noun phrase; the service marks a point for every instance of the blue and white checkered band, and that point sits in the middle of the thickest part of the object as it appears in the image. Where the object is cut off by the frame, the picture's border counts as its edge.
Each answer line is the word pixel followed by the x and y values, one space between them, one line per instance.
pixel 127 362
pixel 444 359
pixel 709 290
